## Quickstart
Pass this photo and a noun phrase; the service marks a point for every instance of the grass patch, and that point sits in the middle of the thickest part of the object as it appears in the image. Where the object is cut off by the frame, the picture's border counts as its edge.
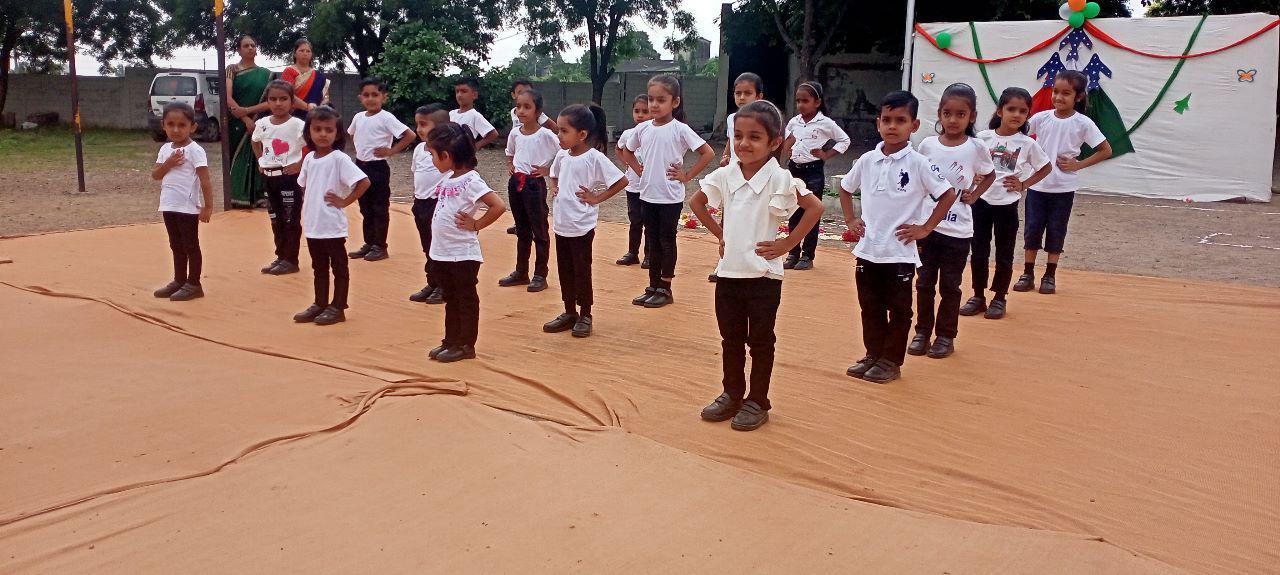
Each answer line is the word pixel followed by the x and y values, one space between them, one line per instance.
pixel 54 148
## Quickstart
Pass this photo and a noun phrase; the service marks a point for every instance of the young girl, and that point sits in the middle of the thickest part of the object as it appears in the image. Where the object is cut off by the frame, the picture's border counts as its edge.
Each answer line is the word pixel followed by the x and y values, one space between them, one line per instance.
pixel 1061 132
pixel 186 198
pixel 278 142
pixel 811 139
pixel 530 150
pixel 963 160
pixel 1019 162
pixel 334 182
pixel 583 177
pixel 455 237
pixel 662 143
pixel 425 179
pixel 755 194
pixel 639 115
pixel 746 89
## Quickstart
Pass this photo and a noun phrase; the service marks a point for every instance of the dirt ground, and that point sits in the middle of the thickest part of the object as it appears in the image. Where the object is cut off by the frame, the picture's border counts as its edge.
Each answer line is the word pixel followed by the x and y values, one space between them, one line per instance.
pixel 1226 242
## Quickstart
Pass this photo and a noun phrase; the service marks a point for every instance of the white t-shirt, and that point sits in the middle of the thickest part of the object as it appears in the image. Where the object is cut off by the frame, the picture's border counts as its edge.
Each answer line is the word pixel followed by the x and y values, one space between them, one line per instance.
pixel 959 165
pixel 180 186
pixel 572 217
pixel 1063 137
pixel 1016 155
pixel 733 154
pixel 633 181
pixel 336 173
pixel 659 148
pixel 515 120
pixel 425 175
pixel 530 151
pixel 892 189
pixel 460 194
pixel 373 132
pixel 473 121
pixel 281 144
pixel 752 210
pixel 812 135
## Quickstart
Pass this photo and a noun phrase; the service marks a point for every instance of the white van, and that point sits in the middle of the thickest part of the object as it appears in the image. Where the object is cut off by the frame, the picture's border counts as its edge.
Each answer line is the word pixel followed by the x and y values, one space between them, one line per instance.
pixel 200 90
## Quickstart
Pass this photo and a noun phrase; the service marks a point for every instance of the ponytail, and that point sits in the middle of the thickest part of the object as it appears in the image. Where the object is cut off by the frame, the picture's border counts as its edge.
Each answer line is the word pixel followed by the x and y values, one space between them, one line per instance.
pixel 590 119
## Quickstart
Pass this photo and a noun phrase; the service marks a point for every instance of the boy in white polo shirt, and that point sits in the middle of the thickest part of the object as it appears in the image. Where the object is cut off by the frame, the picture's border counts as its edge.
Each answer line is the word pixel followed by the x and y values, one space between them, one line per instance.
pixel 894 179
pixel 374 133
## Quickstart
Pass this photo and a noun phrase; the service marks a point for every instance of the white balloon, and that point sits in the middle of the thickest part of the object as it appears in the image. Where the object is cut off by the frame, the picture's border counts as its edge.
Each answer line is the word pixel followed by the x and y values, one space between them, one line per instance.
pixel 1064 11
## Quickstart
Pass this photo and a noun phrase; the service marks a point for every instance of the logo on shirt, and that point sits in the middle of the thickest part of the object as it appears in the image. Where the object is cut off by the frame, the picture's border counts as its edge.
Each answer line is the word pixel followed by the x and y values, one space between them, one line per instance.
pixel 279 147
pixel 1005 160
pixel 904 179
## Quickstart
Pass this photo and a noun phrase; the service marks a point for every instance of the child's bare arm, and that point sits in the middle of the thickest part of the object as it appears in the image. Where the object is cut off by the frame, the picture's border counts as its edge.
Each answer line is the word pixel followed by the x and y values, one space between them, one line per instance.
pixel 705 155
pixel 487 139
pixel 1100 154
pixel 813 209
pixel 493 210
pixel 592 198
pixel 206 189
pixel 698 204
pixel 629 159
pixel 356 191
pixel 908 233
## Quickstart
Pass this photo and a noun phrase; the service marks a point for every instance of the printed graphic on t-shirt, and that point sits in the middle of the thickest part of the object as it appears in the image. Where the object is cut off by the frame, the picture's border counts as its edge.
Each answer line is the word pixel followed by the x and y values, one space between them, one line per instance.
pixel 904 179
pixel 1006 161
pixel 277 150
pixel 958 178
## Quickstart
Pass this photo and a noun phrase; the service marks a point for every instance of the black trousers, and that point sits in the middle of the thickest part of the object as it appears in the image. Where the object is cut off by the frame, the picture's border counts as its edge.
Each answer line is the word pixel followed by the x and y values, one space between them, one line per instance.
pixel 375 204
pixel 635 232
pixel 284 207
pixel 813 176
pixel 1002 223
pixel 573 263
pixel 528 198
pixel 330 254
pixel 746 310
pixel 184 242
pixel 422 212
pixel 461 302
pixel 942 258
pixel 660 222
pixel 1047 217
pixel 884 294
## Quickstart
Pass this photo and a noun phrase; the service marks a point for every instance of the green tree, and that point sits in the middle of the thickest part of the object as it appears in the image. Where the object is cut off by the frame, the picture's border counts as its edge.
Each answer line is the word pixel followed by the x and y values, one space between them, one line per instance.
pixel 413 64
pixel 711 69
pixel 1197 7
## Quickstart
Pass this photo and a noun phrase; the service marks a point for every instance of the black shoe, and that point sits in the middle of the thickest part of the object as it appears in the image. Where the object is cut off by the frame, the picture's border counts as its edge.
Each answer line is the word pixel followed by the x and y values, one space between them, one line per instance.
pixel 629 259
pixel 360 253
pixel 436 351
pixel 919 344
pixel 750 417
pixel 1048 285
pixel 996 311
pixel 859 369
pixel 883 371
pixel 330 316
pixel 583 327
pixel 308 315
pixel 284 268
pixel 187 292
pixel 562 322
pixel 1026 282
pixel 661 297
pixel 975 306
pixel 644 265
pixel 790 262
pixel 376 253
pixel 942 347
pixel 511 230
pixel 456 353
pixel 804 264
pixel 168 289
pixel 422 294
pixel 722 409
pixel 270 266
pixel 648 293
pixel 436 297
pixel 538 284
pixel 514 279
pixel 713 278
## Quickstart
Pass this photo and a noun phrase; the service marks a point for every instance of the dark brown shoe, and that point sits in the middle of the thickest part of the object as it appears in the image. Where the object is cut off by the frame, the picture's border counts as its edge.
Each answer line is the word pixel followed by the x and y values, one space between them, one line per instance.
pixel 308 315
pixel 750 417
pixel 722 409
pixel 562 322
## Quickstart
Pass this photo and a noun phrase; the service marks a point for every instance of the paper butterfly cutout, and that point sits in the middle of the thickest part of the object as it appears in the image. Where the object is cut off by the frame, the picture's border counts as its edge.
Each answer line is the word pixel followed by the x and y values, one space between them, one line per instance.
pixel 928 78
pixel 1246 75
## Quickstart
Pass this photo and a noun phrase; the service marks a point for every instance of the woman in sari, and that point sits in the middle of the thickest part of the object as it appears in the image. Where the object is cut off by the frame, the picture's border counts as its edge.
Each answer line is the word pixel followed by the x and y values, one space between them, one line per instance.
pixel 310 87
pixel 246 86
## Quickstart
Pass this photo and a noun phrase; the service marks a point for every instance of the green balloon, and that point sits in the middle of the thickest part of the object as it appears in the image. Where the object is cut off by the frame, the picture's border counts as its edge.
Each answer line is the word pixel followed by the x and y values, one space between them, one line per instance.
pixel 1076 20
pixel 1091 10
pixel 944 40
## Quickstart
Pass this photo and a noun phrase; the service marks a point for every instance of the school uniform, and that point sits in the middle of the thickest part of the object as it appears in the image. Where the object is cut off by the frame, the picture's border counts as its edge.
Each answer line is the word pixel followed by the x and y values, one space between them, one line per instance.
pixel 575 220
pixel 893 187
pixel 325 226
pixel 995 214
pixel 370 133
pixel 457 257
pixel 426 177
pixel 811 136
pixel 181 200
pixel 660 148
pixel 282 146
pixel 749 287
pixel 474 122
pixel 635 217
pixel 1049 204
pixel 527 195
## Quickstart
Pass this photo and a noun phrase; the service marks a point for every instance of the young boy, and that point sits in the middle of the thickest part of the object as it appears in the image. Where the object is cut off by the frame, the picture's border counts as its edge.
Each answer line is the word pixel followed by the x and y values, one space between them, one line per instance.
pixel 894 179
pixel 466 91
pixel 374 133
pixel 426 177
pixel 520 86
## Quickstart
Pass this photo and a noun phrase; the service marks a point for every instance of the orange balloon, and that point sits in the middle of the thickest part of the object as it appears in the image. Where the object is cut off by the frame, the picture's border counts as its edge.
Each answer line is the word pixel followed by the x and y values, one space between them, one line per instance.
pixel 1076 5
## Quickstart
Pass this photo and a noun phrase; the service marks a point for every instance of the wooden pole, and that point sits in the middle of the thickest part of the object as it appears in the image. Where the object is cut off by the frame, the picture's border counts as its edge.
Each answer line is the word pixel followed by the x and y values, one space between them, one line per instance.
pixel 223 111
pixel 75 95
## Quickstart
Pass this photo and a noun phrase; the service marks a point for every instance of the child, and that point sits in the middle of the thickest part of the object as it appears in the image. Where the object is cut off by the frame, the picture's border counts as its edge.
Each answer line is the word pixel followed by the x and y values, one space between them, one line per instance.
pixel 372 132
pixel 662 143
pixel 455 238
pixel 1061 132
pixel 583 177
pixel 530 150
pixel 186 198
pixel 894 180
pixel 521 85
pixel 755 195
pixel 812 139
pixel 635 229
pixel 425 179
pixel 466 91
pixel 278 142
pixel 965 161
pixel 746 89
pixel 1015 156
pixel 335 182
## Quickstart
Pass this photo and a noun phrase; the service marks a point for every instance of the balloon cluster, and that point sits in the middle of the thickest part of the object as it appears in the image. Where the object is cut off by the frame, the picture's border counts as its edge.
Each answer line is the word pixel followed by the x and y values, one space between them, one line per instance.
pixel 1075 12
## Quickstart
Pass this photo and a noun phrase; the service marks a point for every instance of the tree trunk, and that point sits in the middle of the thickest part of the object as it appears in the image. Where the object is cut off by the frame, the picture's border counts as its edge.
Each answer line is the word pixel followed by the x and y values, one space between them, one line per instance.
pixel 7 46
pixel 807 44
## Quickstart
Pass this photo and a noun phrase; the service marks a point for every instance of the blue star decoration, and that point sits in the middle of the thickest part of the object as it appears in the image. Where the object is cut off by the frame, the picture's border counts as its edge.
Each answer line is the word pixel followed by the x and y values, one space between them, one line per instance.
pixel 1050 69
pixel 1076 37
pixel 1182 105
pixel 1095 69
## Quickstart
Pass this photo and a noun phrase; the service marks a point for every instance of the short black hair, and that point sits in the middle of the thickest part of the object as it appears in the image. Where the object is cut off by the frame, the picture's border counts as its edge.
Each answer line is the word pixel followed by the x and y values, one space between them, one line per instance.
pixel 181 108
pixel 373 81
pixel 436 112
pixel 469 81
pixel 324 113
pixel 456 141
pixel 278 85
pixel 521 82
pixel 899 99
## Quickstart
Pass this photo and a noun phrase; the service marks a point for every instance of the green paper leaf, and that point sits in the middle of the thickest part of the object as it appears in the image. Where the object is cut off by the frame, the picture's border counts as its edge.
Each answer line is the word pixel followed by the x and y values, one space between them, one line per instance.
pixel 1181 105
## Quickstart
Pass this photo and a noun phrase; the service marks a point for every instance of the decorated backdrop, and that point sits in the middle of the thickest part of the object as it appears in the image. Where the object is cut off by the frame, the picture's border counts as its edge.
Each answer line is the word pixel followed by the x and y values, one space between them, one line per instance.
pixel 1188 103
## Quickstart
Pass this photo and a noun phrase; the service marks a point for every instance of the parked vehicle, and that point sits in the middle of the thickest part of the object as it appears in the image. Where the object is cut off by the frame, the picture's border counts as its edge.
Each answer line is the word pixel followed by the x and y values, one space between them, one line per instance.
pixel 200 90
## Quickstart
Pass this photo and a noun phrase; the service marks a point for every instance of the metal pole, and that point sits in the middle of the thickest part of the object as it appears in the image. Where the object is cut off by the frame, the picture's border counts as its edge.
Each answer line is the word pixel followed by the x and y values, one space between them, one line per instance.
pixel 75 95
pixel 223 112
pixel 906 45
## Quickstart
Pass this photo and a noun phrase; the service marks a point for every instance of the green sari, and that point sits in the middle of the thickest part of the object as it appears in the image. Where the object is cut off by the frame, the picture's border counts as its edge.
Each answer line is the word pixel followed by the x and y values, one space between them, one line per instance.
pixel 248 89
